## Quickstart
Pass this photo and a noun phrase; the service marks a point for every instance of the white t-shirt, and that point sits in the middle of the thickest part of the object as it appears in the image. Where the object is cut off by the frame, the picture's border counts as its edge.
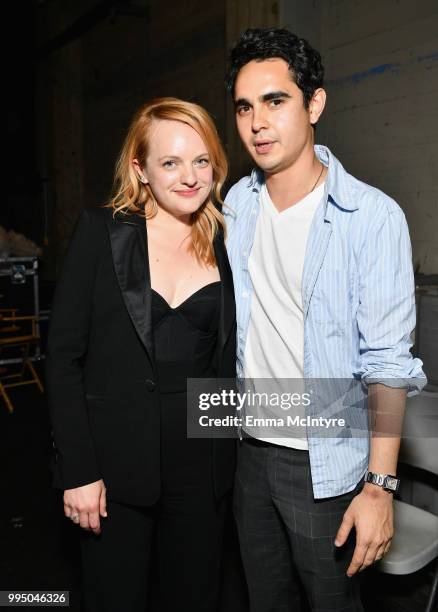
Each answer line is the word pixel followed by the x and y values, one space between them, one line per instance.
pixel 275 342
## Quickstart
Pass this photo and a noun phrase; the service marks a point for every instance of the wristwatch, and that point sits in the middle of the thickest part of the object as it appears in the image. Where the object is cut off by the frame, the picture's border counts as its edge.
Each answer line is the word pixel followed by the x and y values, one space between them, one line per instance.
pixel 386 481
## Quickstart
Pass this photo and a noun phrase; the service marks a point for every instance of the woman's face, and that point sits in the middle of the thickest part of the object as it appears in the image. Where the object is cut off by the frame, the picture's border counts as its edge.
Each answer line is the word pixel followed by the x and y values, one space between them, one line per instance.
pixel 178 167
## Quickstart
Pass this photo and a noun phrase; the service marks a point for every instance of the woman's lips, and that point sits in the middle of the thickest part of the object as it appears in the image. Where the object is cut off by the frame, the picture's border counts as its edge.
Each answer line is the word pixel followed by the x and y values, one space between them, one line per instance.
pixel 263 147
pixel 187 193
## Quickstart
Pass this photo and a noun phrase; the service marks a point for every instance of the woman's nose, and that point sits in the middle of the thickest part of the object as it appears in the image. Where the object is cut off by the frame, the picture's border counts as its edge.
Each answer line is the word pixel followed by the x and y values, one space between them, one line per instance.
pixel 188 175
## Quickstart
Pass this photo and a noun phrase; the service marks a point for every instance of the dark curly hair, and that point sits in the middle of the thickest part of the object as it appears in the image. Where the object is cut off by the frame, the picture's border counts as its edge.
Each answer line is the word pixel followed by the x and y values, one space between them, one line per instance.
pixel 260 44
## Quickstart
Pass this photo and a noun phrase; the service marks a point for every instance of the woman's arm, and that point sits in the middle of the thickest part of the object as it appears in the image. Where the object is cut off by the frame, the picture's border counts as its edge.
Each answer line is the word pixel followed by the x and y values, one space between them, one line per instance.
pixel 67 346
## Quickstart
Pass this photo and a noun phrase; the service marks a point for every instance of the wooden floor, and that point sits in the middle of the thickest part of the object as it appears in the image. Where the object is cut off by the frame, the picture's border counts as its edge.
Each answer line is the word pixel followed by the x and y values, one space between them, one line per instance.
pixel 39 547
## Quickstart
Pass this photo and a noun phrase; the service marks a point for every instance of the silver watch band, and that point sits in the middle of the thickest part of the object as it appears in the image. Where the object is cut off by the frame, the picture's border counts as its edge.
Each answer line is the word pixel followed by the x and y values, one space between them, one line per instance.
pixel 388 482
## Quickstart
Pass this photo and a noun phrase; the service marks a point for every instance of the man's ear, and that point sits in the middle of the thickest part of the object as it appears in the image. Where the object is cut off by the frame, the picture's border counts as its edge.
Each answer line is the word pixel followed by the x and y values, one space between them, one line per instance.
pixel 140 172
pixel 317 104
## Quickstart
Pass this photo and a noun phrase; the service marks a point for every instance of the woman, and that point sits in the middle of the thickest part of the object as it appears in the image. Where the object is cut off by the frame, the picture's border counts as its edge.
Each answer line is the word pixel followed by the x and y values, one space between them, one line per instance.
pixel 145 300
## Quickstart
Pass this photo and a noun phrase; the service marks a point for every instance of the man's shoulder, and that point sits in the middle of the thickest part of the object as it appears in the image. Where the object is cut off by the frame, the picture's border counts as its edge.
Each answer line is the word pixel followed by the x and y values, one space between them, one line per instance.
pixel 240 199
pixel 371 201
pixel 243 183
pixel 244 187
pixel 354 193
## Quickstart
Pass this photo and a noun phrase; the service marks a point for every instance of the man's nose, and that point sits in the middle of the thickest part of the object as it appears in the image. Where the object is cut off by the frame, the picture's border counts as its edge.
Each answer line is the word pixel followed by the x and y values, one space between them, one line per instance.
pixel 259 119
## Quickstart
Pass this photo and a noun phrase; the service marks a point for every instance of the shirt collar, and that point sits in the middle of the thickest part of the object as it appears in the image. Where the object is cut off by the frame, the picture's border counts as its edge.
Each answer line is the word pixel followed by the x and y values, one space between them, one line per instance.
pixel 338 188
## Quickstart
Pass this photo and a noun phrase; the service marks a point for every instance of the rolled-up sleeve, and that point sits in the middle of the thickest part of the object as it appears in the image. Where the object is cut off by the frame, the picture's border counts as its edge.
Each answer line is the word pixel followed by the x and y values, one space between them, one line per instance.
pixel 386 313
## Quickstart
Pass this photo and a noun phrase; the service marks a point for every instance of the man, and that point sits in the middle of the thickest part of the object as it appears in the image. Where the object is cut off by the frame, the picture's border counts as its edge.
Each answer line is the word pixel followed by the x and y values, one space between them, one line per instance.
pixel 324 289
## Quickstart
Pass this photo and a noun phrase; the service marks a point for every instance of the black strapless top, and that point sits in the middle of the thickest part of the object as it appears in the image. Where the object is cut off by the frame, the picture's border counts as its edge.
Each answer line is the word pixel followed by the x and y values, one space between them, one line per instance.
pixel 185 337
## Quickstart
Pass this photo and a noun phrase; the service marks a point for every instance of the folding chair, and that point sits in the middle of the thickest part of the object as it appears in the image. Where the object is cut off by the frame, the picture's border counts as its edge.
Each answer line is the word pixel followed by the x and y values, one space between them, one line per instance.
pixel 415 542
pixel 17 335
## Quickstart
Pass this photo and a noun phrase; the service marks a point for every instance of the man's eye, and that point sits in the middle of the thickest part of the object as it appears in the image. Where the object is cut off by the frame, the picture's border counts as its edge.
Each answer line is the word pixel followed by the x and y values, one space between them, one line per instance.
pixel 276 102
pixel 241 110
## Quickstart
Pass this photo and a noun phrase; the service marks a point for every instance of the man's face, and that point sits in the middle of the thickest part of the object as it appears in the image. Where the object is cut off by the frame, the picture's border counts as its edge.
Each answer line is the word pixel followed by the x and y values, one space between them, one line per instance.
pixel 272 121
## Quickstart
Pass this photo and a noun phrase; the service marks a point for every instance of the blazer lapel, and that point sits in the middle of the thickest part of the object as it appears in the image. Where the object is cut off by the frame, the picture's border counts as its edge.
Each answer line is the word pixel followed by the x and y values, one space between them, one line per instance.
pixel 128 236
pixel 228 313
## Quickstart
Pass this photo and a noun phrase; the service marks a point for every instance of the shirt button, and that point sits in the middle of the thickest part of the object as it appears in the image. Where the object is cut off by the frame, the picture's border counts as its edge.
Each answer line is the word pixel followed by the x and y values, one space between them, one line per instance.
pixel 150 384
pixel 244 294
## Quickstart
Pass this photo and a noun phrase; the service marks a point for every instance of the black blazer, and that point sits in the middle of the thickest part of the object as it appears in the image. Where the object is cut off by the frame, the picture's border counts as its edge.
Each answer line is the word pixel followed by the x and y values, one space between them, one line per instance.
pixel 100 371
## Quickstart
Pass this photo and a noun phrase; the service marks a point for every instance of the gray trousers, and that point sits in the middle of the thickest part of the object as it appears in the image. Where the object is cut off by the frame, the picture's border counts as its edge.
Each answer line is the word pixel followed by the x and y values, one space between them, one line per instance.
pixel 287 537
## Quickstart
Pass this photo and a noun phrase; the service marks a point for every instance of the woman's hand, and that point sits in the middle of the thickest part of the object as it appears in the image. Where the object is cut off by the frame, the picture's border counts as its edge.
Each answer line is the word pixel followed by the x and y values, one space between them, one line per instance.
pixel 85 505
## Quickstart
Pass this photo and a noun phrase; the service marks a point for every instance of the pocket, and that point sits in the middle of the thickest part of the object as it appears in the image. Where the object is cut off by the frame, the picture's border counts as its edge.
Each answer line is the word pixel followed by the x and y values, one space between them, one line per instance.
pixel 330 301
pixel 331 328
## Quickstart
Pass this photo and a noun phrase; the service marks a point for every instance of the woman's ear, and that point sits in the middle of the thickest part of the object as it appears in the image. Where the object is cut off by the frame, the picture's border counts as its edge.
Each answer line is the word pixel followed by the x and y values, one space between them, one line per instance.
pixel 140 172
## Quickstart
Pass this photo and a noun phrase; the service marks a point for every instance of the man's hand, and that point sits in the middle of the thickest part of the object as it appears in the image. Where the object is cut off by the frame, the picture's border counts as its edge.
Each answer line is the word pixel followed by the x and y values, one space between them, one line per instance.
pixel 85 505
pixel 371 514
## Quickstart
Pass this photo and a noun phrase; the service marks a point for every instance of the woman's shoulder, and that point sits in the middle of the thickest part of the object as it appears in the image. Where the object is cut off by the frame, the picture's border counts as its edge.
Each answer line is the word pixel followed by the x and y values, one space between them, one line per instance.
pixel 91 223
pixel 96 213
pixel 95 217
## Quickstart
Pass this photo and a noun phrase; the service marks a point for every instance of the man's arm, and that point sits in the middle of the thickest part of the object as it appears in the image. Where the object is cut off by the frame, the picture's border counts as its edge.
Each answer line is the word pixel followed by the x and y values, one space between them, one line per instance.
pixel 385 318
pixel 371 511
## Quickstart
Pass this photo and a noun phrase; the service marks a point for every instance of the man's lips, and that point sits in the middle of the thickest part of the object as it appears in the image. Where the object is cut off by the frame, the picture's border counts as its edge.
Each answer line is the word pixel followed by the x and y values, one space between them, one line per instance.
pixel 187 193
pixel 263 146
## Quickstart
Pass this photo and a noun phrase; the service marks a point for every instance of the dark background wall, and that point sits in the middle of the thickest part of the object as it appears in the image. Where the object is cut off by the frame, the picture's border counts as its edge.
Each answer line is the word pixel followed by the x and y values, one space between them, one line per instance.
pixel 21 177
pixel 80 68
pixel 119 57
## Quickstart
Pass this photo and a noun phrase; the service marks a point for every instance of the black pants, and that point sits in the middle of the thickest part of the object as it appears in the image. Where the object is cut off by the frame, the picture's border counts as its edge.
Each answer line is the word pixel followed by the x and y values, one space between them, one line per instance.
pixel 188 523
pixel 286 536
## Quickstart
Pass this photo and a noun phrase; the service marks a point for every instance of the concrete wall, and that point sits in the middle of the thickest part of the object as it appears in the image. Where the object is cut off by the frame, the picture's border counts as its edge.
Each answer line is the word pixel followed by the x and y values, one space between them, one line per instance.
pixel 381 121
pixel 381 67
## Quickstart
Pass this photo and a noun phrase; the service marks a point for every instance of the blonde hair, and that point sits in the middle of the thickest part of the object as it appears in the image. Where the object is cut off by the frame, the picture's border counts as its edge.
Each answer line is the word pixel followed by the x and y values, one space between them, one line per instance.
pixel 130 195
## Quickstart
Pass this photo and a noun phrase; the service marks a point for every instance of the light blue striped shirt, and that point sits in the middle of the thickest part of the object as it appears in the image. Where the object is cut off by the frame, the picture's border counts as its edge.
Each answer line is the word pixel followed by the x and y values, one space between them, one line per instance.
pixel 358 300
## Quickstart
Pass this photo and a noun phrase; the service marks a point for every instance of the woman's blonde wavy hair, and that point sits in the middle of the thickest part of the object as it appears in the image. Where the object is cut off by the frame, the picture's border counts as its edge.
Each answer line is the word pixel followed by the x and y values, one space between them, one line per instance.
pixel 131 196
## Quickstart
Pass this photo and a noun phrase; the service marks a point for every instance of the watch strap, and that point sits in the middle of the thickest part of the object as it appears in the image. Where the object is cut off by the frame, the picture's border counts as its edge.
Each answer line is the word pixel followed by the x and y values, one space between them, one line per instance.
pixel 388 482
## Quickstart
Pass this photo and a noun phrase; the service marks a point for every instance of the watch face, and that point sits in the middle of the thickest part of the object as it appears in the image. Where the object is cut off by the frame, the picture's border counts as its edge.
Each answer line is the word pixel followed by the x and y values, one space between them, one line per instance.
pixel 391 483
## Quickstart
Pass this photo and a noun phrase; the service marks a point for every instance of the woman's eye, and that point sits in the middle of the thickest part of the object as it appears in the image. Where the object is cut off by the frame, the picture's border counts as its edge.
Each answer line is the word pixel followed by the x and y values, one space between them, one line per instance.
pixel 203 162
pixel 169 164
